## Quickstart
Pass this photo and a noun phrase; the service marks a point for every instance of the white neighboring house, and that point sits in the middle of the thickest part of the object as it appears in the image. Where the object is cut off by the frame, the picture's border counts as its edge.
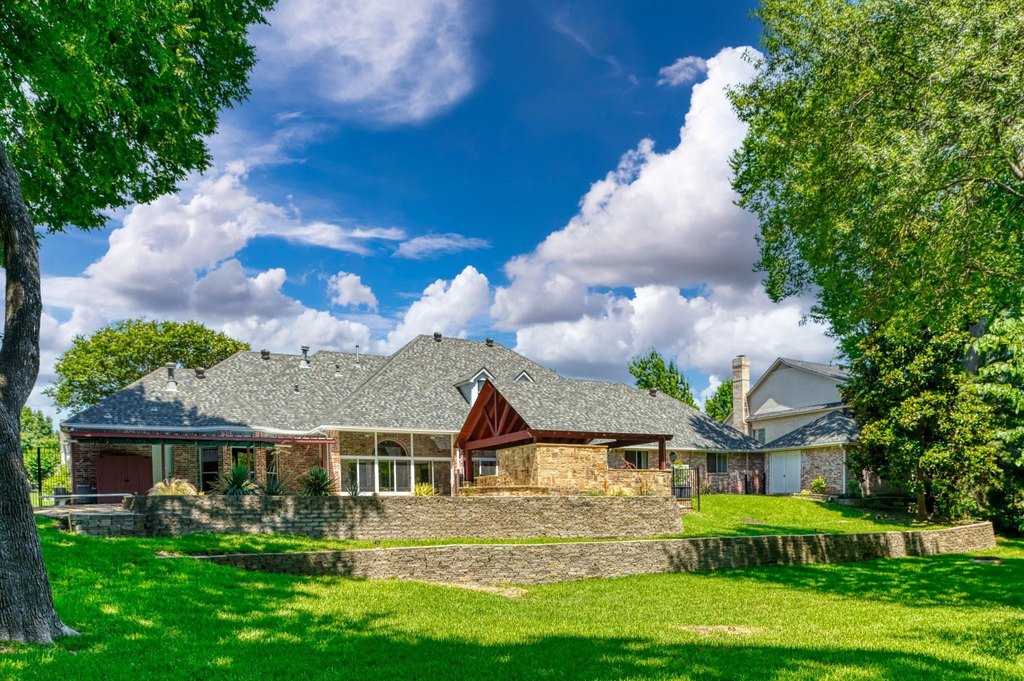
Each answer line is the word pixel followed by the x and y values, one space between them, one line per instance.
pixel 795 411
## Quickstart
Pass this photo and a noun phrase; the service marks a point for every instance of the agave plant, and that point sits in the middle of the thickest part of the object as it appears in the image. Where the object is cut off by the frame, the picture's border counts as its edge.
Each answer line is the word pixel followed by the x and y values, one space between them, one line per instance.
pixel 423 489
pixel 173 487
pixel 317 483
pixel 274 487
pixel 236 483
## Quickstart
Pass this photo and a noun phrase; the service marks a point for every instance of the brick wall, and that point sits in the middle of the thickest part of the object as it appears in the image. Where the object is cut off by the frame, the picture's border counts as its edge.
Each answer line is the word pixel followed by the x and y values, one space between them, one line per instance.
pixel 540 563
pixel 185 463
pixel 827 462
pixel 414 517
pixel 732 481
pixel 294 461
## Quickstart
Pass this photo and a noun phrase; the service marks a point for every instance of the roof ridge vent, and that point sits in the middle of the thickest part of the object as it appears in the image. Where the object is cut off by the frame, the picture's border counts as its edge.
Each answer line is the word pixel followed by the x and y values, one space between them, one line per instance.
pixel 172 385
pixel 437 336
pixel 489 342
pixel 200 372
pixel 653 392
pixel 337 371
pixel 304 362
pixel 358 358
pixel 264 354
pixel 296 389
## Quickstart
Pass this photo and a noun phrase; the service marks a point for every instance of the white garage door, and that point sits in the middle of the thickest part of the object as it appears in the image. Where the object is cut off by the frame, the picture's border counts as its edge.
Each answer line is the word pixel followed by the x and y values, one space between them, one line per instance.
pixel 784 473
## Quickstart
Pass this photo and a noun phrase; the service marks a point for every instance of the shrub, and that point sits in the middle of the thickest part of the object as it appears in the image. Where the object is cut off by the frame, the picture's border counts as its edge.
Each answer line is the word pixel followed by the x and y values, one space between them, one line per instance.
pixel 619 492
pixel 423 489
pixel 853 489
pixel 236 483
pixel 173 487
pixel 274 487
pixel 818 485
pixel 317 483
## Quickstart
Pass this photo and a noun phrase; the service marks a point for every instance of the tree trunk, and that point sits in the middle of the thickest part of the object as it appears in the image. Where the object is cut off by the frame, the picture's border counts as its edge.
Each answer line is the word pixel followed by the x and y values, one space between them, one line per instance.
pixel 922 499
pixel 26 603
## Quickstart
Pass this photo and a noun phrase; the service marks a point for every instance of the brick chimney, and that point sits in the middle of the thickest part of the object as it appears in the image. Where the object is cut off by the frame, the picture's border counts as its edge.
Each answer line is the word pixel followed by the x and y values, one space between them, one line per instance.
pixel 740 386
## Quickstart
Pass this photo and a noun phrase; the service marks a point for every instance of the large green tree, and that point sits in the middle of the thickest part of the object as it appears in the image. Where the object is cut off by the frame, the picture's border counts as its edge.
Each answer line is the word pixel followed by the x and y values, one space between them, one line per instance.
pixel 651 371
pixel 885 159
pixel 101 364
pixel 719 405
pixel 102 104
pixel 922 422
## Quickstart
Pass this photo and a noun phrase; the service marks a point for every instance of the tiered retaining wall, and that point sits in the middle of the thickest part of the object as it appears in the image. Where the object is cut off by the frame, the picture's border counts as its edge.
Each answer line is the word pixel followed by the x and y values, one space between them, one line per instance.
pixel 540 563
pixel 396 517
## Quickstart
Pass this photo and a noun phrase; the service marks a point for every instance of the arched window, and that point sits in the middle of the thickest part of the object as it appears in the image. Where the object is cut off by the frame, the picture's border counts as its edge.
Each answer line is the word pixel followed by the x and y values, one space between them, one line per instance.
pixel 390 448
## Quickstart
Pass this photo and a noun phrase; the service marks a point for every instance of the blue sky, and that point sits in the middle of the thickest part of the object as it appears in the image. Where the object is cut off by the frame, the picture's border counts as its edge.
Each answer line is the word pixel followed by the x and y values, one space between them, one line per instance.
pixel 505 169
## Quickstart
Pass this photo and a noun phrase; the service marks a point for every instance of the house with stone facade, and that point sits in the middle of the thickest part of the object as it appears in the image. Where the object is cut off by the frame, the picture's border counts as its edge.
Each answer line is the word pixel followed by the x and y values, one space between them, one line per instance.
pixel 796 414
pixel 385 424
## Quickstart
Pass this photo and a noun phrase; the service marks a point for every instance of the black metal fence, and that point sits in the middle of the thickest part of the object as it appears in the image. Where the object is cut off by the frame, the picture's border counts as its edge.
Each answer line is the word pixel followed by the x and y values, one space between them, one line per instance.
pixel 686 484
pixel 49 478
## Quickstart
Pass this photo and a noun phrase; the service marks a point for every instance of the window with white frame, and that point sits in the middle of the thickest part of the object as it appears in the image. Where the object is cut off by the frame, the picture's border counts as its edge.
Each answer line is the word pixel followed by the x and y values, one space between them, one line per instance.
pixel 393 463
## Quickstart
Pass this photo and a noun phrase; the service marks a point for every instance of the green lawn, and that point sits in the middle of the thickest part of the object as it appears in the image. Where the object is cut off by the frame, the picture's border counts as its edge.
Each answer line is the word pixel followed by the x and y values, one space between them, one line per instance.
pixel 144 617
pixel 730 515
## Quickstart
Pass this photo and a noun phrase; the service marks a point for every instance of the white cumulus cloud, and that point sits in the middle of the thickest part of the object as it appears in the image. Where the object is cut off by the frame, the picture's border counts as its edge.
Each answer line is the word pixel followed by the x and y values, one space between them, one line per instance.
pixel 658 255
pixel 349 290
pixel 445 306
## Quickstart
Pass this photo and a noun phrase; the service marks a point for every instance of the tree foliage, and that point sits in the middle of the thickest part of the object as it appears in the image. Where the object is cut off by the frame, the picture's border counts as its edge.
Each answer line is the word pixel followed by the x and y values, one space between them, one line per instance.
pixel 719 405
pixel 922 423
pixel 99 365
pixel 651 371
pixel 885 159
pixel 109 102
pixel 1001 384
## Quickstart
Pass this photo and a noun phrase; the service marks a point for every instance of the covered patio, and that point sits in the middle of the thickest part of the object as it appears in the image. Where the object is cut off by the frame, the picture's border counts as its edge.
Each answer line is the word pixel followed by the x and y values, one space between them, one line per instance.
pixel 555 439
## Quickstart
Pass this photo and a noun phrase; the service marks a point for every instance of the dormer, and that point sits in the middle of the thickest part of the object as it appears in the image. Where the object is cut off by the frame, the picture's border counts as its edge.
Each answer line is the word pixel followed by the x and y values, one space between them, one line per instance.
pixel 471 386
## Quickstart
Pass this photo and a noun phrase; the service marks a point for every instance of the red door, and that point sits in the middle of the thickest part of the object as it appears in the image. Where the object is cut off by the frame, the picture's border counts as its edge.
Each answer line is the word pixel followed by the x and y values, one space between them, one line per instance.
pixel 123 475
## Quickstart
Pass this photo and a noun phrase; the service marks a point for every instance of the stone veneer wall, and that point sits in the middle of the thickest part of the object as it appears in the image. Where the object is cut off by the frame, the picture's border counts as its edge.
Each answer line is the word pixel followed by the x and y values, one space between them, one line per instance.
pixel 565 517
pixel 571 469
pixel 540 563
pixel 827 462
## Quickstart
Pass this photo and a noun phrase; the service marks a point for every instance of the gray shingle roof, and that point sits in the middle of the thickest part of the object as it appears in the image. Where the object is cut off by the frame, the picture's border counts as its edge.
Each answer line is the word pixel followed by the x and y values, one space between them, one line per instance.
pixel 243 391
pixel 832 371
pixel 599 406
pixel 415 388
pixel 834 428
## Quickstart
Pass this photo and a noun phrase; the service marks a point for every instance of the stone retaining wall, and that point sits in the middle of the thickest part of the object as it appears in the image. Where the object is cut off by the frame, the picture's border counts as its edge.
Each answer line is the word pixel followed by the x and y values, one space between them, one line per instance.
pixel 540 563
pixel 119 524
pixel 400 517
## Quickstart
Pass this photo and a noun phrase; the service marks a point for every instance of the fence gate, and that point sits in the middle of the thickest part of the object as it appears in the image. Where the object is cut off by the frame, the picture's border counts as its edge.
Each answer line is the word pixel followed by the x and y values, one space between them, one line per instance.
pixel 686 483
pixel 47 475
